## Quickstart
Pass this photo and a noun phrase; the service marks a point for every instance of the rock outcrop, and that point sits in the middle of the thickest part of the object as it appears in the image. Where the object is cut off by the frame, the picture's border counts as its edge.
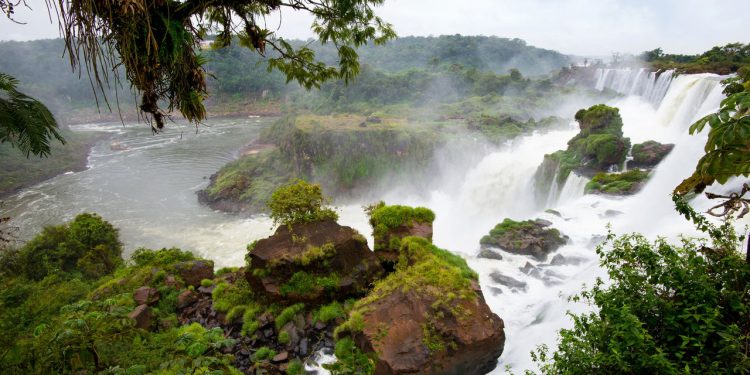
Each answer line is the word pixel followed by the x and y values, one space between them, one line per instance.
pixel 598 146
pixel 649 154
pixel 312 262
pixel 193 272
pixel 428 317
pixel 390 224
pixel 531 237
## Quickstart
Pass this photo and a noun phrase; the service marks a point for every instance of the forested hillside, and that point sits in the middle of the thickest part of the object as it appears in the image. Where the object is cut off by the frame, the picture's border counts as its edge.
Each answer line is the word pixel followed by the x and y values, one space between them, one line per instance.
pixel 404 69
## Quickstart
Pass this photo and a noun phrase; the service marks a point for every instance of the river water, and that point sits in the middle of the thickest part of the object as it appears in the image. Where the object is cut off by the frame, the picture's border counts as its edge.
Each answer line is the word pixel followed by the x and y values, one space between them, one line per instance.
pixel 145 185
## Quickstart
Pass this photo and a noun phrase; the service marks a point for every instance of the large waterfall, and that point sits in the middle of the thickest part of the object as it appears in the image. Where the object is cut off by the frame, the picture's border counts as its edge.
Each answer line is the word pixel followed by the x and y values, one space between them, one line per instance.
pixel 652 86
pixel 500 186
pixel 148 191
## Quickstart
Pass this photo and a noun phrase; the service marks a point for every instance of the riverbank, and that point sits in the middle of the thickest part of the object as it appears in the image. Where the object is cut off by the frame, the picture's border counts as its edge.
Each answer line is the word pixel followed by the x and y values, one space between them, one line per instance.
pixel 20 172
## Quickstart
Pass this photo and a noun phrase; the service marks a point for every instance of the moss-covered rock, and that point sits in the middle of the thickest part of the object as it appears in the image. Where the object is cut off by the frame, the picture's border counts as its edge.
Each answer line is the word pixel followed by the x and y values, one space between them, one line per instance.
pixel 598 146
pixel 530 237
pixel 649 154
pixel 333 151
pixel 313 262
pixel 427 317
pixel 625 183
pixel 392 223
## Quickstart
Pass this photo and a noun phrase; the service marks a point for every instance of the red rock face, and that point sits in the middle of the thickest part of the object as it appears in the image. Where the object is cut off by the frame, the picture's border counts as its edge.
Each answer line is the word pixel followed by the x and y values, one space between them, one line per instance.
pixel 276 259
pixel 395 327
pixel 387 253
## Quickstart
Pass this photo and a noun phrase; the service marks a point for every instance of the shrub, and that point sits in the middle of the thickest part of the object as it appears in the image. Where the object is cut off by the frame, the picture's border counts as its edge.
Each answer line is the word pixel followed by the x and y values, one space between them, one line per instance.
pixel 329 312
pixel 350 360
pixel 88 244
pixel 668 309
pixel 299 202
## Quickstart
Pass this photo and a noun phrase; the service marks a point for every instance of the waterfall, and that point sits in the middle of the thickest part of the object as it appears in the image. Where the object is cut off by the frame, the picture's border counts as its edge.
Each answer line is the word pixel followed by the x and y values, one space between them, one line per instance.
pixel 635 82
pixel 573 189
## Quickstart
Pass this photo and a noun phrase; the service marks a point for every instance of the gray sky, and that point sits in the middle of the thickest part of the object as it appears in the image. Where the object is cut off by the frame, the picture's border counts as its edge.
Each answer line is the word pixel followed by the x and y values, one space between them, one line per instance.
pixel 583 27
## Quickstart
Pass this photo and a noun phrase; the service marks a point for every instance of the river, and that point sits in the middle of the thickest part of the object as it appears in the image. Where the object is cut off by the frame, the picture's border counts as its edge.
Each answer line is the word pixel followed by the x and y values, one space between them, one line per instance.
pixel 146 186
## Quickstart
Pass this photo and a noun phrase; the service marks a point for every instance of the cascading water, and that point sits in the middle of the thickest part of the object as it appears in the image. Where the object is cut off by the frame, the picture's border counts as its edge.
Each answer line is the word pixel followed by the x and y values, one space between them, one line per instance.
pixel 632 82
pixel 146 187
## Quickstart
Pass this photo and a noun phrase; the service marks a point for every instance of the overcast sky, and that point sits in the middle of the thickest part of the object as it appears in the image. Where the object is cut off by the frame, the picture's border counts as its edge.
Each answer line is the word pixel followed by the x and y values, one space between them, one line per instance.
pixel 583 27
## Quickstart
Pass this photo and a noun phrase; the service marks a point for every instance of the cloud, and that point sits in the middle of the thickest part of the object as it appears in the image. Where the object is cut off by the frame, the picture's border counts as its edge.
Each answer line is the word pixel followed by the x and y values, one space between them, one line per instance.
pixel 583 27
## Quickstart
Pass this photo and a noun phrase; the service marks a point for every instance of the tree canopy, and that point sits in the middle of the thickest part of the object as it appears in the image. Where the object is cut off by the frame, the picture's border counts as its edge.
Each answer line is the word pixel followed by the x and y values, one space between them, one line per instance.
pixel 157 43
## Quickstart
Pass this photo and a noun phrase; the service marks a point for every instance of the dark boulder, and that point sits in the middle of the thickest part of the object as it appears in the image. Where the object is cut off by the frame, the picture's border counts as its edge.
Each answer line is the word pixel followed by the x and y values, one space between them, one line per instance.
pixel 312 262
pixel 649 154
pixel 193 271
pixel 530 237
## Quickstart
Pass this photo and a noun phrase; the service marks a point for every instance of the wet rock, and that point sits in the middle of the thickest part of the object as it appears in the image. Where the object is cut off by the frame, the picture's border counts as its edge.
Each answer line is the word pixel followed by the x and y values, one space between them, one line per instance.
pixel 611 213
pixel 145 296
pixel 530 237
pixel 489 254
pixel 649 154
pixel 553 212
pixel 305 254
pixel 508 281
pixel 193 271
pixel 560 260
pixel 530 270
pixel 495 291
pixel 142 316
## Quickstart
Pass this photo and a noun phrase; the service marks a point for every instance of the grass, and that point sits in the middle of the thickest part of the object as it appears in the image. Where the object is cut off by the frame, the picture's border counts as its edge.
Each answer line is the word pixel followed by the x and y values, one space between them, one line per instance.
pixel 616 183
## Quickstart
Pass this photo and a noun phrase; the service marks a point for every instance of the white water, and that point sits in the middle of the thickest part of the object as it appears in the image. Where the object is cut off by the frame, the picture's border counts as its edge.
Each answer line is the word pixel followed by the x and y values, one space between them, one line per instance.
pixel 634 82
pixel 148 189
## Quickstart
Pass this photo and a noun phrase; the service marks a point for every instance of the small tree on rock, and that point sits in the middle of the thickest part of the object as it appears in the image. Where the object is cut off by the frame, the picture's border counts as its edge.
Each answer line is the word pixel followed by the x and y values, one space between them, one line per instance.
pixel 300 202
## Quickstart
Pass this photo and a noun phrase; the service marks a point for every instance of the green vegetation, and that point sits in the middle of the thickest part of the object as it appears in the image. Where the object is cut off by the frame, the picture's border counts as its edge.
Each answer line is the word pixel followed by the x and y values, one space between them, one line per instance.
pixel 597 146
pixel 422 268
pixel 88 245
pixel 722 60
pixel 395 216
pixel 67 310
pixel 296 367
pixel 668 309
pixel 264 353
pixel 156 45
pixel 617 183
pixel 288 314
pixel 299 202
pixel 329 312
pixel 25 122
pixel 728 138
pixel 350 360
pixel 302 283
pixel 507 226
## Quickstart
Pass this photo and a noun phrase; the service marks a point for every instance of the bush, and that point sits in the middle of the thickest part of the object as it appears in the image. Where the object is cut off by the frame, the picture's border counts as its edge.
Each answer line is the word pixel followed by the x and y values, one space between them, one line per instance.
pixel 299 202
pixel 668 310
pixel 88 244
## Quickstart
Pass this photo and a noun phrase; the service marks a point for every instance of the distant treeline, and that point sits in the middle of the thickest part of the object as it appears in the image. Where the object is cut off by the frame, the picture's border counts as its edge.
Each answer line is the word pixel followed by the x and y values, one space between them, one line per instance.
pixel 720 59
pixel 403 69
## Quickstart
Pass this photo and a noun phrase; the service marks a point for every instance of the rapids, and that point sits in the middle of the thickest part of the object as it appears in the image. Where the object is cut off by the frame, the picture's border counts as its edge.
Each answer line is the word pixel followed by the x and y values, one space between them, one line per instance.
pixel 146 185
